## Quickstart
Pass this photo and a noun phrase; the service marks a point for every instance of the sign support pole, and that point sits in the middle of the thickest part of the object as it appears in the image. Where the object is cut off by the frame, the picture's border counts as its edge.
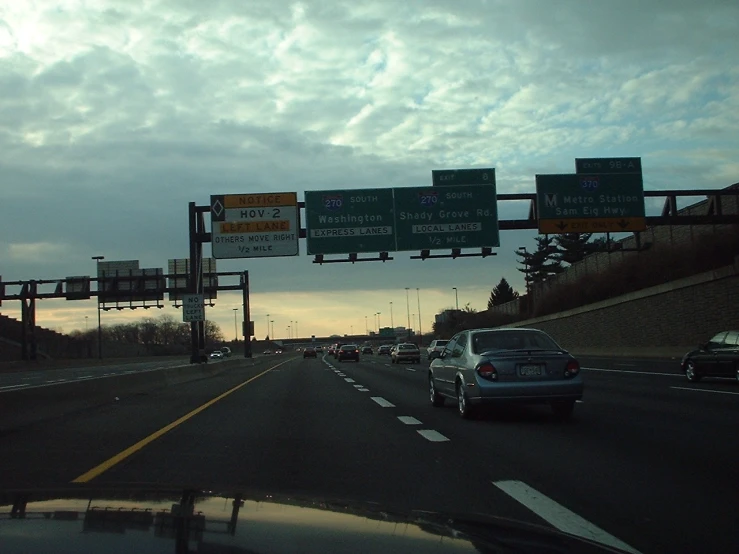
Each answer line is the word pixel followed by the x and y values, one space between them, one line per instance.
pixel 246 326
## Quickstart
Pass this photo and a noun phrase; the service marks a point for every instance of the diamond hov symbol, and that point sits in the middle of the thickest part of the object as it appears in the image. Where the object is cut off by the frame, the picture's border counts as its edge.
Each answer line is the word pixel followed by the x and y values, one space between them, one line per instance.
pixel 217 208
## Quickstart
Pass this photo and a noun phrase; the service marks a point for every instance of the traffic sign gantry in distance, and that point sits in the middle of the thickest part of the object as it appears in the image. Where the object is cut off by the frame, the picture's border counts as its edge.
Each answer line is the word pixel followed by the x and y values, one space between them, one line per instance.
pixel 453 177
pixel 458 216
pixel 349 221
pixel 605 196
pixel 254 225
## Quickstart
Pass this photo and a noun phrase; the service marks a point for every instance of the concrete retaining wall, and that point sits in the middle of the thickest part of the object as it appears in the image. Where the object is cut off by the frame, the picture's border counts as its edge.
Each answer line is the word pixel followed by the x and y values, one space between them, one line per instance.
pixel 665 320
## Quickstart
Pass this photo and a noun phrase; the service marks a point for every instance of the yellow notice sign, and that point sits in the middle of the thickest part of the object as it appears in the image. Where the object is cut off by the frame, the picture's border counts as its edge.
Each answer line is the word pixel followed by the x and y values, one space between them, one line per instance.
pixel 260 200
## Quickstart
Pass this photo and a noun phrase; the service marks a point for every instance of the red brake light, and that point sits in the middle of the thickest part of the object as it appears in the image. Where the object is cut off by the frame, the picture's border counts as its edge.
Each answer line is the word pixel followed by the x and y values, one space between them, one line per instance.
pixel 487 371
pixel 573 368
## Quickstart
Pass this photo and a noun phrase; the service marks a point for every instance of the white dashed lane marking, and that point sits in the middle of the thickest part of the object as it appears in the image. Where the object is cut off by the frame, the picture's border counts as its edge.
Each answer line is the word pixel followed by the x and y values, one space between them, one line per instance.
pixel 349 380
pixel 363 390
pixel 409 420
pixel 559 516
pixel 433 436
pixel 382 402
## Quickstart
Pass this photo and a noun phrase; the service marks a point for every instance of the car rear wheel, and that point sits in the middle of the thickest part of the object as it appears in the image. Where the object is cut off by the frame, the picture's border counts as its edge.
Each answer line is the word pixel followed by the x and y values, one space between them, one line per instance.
pixel 691 373
pixel 563 409
pixel 463 405
pixel 436 399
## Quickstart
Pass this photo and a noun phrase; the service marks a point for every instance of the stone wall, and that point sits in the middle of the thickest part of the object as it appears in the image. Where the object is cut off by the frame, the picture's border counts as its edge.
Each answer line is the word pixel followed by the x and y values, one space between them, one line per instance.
pixel 664 320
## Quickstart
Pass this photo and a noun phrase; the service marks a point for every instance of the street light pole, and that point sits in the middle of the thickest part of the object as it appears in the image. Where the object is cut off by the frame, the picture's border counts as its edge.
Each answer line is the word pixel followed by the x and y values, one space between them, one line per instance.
pixel 268 333
pixel 420 331
pixel 296 330
pixel 100 325
pixel 378 322
pixel 236 333
pixel 456 297
pixel 86 323
pixel 392 325
pixel 408 309
pixel 366 329
pixel 272 334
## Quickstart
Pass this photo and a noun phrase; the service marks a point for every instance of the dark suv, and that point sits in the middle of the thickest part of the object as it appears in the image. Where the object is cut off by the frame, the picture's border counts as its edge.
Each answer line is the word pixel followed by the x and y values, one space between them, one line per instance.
pixel 348 352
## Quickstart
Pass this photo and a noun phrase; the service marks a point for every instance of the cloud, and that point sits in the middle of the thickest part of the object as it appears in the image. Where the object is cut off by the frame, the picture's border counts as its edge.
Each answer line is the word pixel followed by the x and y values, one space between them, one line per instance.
pixel 118 113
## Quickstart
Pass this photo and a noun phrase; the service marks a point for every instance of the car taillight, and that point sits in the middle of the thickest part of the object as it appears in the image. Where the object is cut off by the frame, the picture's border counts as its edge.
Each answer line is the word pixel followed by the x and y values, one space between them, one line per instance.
pixel 356 351
pixel 487 371
pixel 572 369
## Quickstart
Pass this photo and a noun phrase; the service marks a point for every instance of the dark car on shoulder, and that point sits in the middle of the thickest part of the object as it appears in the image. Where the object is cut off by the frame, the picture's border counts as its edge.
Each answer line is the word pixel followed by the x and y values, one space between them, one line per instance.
pixel 348 352
pixel 719 357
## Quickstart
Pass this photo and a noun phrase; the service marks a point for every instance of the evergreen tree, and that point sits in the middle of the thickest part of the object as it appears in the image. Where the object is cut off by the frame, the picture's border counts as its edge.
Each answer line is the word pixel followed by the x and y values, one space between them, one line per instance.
pixel 501 294
pixel 541 263
pixel 572 247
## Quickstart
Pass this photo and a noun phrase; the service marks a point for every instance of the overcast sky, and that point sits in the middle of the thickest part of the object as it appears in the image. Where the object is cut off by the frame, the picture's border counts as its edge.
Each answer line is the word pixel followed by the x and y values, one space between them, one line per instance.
pixel 115 114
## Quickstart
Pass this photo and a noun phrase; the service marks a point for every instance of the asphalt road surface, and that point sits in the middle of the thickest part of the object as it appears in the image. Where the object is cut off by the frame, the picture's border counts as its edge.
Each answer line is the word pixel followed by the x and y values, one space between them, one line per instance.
pixel 10 380
pixel 648 463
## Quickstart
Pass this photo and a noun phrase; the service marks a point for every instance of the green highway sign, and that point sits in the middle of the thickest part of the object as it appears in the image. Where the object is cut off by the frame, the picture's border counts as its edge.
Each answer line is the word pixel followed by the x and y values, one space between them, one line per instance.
pixel 602 166
pixel 590 203
pixel 449 177
pixel 458 216
pixel 349 221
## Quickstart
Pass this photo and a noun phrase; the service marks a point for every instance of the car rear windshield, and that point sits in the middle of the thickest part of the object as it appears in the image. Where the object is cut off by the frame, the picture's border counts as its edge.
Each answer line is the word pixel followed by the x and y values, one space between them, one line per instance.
pixel 349 347
pixel 512 340
pixel 408 347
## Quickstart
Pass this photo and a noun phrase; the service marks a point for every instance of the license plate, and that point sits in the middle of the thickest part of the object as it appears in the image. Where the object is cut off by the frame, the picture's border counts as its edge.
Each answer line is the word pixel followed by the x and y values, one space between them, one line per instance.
pixel 530 370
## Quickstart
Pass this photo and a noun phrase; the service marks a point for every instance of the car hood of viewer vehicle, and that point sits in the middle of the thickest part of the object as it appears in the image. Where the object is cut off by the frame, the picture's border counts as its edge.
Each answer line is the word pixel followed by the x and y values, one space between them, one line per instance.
pixel 168 520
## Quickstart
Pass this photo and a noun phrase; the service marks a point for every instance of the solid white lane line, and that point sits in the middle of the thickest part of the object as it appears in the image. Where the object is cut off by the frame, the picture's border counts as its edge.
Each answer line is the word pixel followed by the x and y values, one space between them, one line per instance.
pixel 363 390
pixel 409 420
pixel 433 436
pixel 559 516
pixel 349 380
pixel 706 390
pixel 9 387
pixel 382 402
pixel 633 372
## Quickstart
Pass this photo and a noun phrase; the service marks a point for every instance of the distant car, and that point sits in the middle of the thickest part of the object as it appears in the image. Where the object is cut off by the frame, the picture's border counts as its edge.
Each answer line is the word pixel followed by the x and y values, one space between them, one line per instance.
pixel 267 352
pixel 319 349
pixel 216 355
pixel 435 349
pixel 406 352
pixel 348 352
pixel 384 350
pixel 719 357
pixel 332 350
pixel 226 352
pixel 278 351
pixel 309 352
pixel 337 348
pixel 481 367
pixel 367 350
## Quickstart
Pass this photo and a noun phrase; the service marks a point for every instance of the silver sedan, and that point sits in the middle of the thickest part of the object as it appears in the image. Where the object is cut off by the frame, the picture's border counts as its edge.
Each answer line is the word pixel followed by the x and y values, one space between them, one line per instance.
pixel 482 367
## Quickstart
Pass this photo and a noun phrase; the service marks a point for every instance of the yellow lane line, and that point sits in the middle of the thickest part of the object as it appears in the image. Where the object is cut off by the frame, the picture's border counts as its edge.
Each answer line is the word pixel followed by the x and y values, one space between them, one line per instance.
pixel 118 458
